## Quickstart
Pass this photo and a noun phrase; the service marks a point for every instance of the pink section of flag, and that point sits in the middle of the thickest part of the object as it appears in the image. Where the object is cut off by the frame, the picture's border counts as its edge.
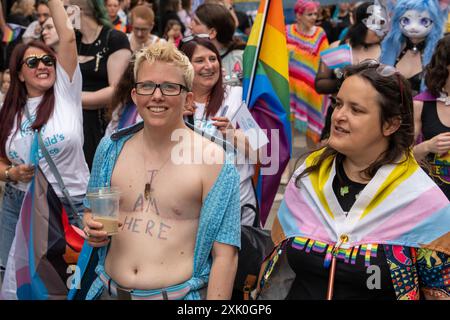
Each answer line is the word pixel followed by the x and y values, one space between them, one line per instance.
pixel 338 57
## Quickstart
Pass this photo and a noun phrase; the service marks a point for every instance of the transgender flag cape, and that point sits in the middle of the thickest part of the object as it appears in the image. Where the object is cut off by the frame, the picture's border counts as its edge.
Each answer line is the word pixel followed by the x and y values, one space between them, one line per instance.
pixel 45 247
pixel 401 205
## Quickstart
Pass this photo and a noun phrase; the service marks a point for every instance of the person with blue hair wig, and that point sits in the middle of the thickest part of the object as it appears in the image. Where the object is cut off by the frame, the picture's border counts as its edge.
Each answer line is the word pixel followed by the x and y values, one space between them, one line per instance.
pixel 416 27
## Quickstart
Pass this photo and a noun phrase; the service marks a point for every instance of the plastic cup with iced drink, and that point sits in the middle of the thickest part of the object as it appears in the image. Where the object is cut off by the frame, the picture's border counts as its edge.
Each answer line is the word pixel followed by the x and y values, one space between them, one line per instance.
pixel 105 207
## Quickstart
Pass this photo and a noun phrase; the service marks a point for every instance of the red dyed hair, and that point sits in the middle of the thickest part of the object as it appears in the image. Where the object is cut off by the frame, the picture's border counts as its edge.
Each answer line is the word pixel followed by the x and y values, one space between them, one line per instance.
pixel 302 5
pixel 17 95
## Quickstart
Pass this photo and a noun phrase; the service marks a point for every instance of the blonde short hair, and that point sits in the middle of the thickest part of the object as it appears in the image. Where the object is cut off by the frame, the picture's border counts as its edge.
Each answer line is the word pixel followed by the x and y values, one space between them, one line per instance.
pixel 166 52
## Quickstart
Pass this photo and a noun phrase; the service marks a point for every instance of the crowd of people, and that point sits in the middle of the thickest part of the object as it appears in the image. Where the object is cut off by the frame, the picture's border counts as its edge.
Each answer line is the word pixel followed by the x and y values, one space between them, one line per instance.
pixel 104 86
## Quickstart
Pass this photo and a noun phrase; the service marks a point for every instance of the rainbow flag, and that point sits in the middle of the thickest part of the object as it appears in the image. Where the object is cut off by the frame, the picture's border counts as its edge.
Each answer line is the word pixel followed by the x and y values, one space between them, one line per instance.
pixel 338 57
pixel 400 206
pixel 45 249
pixel 12 32
pixel 266 91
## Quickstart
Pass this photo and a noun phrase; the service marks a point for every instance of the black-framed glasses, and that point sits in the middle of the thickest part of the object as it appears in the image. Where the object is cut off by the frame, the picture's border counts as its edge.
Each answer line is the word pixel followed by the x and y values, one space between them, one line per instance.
pixel 147 88
pixel 33 61
pixel 195 36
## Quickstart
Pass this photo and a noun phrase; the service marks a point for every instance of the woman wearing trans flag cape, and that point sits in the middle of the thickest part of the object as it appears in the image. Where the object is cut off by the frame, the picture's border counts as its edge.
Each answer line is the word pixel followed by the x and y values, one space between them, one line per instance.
pixel 360 219
pixel 416 27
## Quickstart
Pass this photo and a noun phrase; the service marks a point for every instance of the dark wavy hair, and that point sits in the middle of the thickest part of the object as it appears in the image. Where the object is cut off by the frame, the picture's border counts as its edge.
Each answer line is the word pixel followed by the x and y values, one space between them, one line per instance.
pixel 217 93
pixel 436 72
pixel 357 32
pixel 122 92
pixel 16 96
pixel 395 101
pixel 217 16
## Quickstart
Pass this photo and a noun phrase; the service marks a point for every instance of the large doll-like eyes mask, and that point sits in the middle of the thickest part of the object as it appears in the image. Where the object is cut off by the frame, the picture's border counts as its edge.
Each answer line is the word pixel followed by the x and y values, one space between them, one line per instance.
pixel 415 24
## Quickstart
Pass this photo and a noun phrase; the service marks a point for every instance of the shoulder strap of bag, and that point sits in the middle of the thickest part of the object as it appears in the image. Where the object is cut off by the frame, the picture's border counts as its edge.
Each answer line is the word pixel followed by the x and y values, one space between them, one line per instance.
pixel 54 169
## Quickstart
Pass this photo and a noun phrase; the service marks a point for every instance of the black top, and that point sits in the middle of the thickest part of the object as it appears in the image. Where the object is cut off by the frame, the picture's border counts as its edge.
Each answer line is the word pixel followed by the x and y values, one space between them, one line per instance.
pixel 95 77
pixel 346 190
pixel 342 23
pixel 431 127
pixel 352 277
pixel 416 80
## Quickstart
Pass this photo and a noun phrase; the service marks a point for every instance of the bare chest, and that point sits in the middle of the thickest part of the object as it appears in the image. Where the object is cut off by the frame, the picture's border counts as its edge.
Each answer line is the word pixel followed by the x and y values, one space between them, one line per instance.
pixel 170 192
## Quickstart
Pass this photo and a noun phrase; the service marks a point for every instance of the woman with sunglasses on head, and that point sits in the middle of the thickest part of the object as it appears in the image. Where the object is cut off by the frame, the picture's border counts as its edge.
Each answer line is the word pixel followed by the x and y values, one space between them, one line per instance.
pixel 364 38
pixel 215 108
pixel 44 95
pixel 360 219
pixel 432 117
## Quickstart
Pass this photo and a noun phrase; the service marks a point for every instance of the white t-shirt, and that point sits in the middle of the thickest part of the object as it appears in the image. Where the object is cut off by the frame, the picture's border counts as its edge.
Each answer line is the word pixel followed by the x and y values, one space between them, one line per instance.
pixel 231 104
pixel 62 136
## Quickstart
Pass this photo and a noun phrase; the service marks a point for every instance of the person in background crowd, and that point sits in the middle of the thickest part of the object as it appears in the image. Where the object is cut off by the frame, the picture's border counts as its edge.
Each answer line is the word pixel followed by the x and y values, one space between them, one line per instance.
pixel 122 110
pixel 416 27
pixel 185 16
pixel 142 20
pixel 244 27
pixel 216 21
pixel 113 7
pixel 48 85
pixel 341 20
pixel 227 4
pixel 170 12
pixel 33 32
pixel 49 34
pixel 173 32
pixel 21 16
pixel 432 118
pixel 215 108
pixel 305 42
pixel 123 12
pixel 103 55
pixel 324 21
pixel 362 201
pixel 6 80
pixel 364 41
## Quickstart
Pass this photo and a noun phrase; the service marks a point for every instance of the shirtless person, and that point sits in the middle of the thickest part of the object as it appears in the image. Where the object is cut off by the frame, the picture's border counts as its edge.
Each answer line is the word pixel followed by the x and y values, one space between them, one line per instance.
pixel 173 217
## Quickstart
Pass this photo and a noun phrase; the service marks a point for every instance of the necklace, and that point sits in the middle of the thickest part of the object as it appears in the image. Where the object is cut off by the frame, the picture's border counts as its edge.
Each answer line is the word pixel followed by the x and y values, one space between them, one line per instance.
pixel 444 98
pixel 151 175
pixel 96 42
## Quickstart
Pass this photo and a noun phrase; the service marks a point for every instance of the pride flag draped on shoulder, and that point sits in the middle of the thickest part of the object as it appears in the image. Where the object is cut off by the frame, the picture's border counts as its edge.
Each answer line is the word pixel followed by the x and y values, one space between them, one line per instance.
pixel 46 246
pixel 266 91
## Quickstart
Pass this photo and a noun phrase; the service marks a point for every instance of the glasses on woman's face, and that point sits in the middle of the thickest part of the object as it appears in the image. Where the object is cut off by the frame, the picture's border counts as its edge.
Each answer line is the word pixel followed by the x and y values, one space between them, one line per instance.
pixel 32 62
pixel 195 36
pixel 141 30
pixel 147 88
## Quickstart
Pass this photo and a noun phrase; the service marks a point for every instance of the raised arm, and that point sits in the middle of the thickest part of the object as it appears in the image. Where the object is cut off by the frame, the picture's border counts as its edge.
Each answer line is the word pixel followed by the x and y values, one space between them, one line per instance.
pixel 67 54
